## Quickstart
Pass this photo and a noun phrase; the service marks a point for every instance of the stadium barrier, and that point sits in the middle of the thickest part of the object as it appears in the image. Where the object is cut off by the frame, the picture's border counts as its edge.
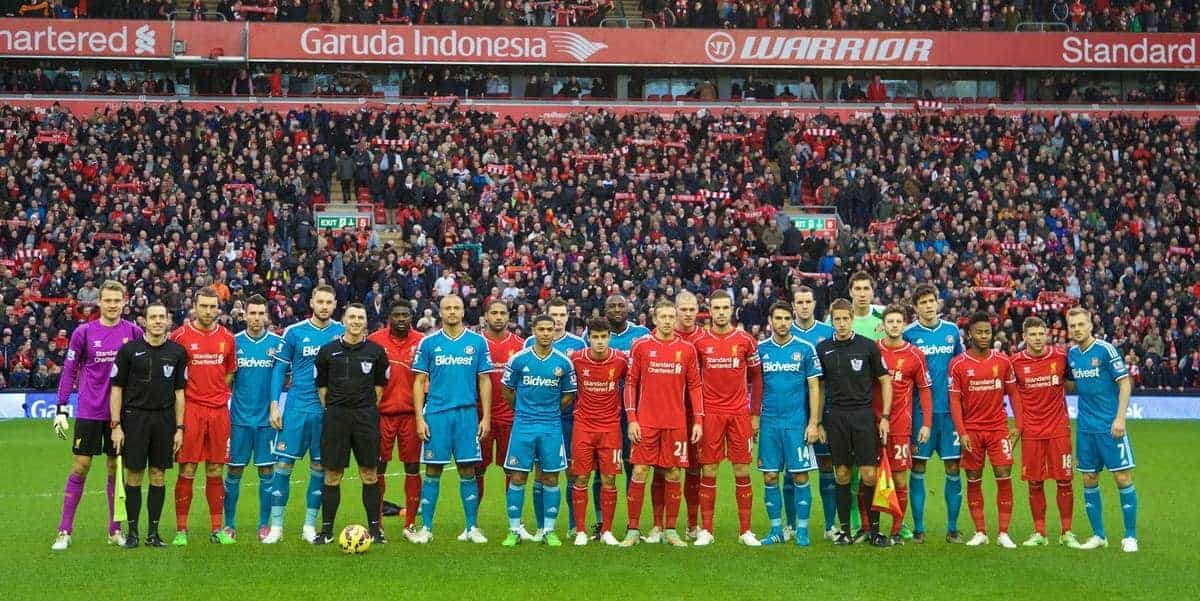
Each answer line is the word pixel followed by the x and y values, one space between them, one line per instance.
pixel 427 44
pixel 1143 405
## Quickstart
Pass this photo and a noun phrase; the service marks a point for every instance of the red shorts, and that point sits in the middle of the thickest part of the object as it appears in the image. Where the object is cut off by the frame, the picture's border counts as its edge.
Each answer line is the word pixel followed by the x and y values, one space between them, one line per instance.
pixel 993 444
pixel 400 430
pixel 496 440
pixel 205 435
pixel 590 450
pixel 1046 459
pixel 726 436
pixel 899 452
pixel 661 447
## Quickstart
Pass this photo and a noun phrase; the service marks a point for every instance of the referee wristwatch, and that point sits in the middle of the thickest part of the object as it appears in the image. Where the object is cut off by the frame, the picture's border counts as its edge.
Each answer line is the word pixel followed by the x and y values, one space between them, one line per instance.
pixel 886 416
pixel 114 424
pixel 179 427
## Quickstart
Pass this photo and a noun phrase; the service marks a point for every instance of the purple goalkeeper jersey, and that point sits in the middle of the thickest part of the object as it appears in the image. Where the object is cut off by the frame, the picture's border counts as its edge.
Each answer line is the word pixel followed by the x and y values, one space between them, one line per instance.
pixel 90 357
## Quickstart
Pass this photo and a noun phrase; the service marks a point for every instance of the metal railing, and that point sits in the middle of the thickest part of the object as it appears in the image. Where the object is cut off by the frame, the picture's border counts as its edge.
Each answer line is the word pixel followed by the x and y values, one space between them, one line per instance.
pixel 1041 26
pixel 628 22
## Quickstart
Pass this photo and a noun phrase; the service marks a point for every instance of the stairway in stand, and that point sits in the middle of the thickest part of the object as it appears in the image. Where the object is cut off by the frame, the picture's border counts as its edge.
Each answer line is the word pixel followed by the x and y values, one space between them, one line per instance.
pixel 632 8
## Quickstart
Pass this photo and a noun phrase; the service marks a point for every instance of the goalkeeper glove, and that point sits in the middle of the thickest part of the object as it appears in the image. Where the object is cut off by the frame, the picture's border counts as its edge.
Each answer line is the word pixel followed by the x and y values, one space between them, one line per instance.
pixel 60 422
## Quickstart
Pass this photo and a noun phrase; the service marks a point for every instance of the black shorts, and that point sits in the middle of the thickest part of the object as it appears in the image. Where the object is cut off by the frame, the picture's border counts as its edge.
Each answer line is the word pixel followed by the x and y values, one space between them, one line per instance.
pixel 93 437
pixel 346 430
pixel 853 436
pixel 149 438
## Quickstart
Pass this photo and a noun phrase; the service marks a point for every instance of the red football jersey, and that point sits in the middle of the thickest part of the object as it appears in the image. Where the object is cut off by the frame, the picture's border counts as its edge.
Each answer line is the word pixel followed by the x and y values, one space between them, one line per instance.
pixel 598 401
pixel 500 352
pixel 398 392
pixel 660 373
pixel 211 357
pixel 1043 393
pixel 909 372
pixel 725 362
pixel 979 384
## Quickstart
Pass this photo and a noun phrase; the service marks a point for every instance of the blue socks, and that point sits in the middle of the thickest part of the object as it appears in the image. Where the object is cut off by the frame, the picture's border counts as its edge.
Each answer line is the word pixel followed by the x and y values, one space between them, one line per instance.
pixel 828 486
pixel 281 487
pixel 468 491
pixel 539 511
pixel 774 503
pixel 789 498
pixel 233 486
pixel 953 492
pixel 514 501
pixel 264 499
pixel 1095 509
pixel 1129 505
pixel 803 505
pixel 430 487
pixel 916 496
pixel 312 500
pixel 595 498
pixel 552 498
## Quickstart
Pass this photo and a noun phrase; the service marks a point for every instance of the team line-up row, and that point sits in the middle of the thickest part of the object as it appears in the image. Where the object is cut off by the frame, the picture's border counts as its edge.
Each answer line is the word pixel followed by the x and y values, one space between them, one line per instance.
pixel 666 406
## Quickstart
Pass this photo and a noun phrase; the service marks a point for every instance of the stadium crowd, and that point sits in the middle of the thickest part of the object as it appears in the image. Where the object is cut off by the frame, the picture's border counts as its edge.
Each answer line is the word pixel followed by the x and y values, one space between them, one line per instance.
pixel 1009 215
pixel 995 15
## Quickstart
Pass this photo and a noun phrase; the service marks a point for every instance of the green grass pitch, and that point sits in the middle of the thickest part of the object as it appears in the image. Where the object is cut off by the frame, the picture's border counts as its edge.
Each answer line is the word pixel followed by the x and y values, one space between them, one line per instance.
pixel 35 465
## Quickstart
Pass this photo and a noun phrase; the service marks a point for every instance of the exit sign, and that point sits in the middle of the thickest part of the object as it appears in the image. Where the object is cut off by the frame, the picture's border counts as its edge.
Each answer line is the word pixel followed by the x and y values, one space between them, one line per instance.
pixel 338 222
pixel 816 224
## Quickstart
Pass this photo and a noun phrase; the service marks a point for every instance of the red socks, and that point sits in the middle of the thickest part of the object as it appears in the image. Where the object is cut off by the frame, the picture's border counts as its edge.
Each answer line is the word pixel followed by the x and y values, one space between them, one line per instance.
pixel 382 490
pixel 975 503
pixel 608 507
pixel 902 499
pixel 673 493
pixel 1004 501
pixel 657 488
pixel 634 498
pixel 214 490
pixel 745 502
pixel 691 493
pixel 865 499
pixel 579 500
pixel 708 501
pixel 479 484
pixel 183 501
pixel 412 498
pixel 1037 505
pixel 1066 504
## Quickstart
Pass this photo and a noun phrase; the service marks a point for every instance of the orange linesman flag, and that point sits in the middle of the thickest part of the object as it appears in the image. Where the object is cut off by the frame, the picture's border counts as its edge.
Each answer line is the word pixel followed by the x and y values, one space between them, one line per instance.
pixel 885 489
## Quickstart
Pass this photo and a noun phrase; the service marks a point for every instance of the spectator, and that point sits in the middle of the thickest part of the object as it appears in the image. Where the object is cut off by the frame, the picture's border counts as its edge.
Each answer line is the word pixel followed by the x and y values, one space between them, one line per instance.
pixel 877 92
pixel 806 91
pixel 850 91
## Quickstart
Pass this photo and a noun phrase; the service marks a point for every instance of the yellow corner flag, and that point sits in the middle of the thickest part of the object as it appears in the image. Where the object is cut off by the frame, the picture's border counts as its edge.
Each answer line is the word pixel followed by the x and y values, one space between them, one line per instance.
pixel 885 489
pixel 119 514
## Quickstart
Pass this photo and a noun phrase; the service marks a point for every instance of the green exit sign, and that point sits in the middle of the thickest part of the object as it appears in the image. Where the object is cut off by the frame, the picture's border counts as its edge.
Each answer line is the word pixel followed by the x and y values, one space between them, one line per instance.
pixel 337 222
pixel 816 224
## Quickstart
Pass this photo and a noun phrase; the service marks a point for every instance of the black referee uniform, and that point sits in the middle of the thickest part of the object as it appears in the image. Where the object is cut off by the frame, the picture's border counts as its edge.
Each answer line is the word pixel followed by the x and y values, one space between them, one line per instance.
pixel 852 367
pixel 149 377
pixel 350 373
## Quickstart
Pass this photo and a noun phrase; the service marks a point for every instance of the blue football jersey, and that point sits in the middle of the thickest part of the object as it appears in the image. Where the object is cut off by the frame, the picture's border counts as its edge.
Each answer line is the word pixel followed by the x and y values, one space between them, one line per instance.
pixel 818 332
pixel 1096 372
pixel 566 344
pixel 539 383
pixel 786 370
pixel 453 366
pixel 250 403
pixel 624 341
pixel 297 353
pixel 940 344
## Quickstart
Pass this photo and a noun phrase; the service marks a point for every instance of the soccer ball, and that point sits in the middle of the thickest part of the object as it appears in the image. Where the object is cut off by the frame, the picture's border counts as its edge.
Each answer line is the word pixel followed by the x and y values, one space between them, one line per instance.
pixel 354 539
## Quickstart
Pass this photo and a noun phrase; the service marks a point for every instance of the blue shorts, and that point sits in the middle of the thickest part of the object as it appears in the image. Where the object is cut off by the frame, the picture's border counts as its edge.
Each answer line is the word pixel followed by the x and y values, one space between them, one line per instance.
pixel 301 434
pixel 245 441
pixel 537 443
pixel 1099 451
pixel 784 449
pixel 943 438
pixel 452 435
pixel 568 429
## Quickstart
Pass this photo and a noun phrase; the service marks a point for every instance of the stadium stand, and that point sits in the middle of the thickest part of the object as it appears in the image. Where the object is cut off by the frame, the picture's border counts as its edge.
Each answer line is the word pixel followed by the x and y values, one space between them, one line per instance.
pixel 1021 215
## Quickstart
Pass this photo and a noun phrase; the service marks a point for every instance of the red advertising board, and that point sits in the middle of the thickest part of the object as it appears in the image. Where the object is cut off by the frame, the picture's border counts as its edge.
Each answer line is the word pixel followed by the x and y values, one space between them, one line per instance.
pixel 305 42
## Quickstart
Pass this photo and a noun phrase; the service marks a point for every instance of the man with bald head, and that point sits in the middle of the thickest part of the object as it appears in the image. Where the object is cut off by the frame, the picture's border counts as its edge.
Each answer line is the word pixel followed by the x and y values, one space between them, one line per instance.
pixel 455 364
